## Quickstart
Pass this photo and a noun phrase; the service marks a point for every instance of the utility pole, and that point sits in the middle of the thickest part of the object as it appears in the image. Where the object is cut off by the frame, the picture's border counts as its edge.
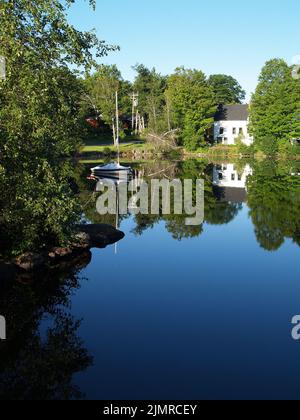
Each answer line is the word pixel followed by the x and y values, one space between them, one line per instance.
pixel 135 102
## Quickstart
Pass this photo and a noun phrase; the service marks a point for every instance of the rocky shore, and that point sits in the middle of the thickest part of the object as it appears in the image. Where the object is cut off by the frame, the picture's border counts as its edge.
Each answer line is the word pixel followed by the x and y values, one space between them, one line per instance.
pixel 86 238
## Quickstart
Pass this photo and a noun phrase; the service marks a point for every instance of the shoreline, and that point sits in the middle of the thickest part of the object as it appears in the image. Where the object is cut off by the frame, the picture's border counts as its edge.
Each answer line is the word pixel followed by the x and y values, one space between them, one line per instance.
pixel 147 154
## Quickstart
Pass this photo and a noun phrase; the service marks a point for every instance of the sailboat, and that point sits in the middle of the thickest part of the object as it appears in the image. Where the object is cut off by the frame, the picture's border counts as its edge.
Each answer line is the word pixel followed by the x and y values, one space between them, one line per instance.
pixel 113 170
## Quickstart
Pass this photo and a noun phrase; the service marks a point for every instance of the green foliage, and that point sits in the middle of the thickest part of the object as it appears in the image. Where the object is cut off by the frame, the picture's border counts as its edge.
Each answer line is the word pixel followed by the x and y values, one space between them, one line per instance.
pixel 100 94
pixel 242 148
pixel 275 107
pixel 40 97
pixel 274 201
pixel 38 208
pixel 192 106
pixel 227 90
pixel 150 86
pixel 40 120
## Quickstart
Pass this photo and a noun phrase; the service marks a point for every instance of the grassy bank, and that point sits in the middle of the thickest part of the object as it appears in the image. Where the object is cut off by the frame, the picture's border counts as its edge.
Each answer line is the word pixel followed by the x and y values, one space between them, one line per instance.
pixel 236 152
pixel 135 147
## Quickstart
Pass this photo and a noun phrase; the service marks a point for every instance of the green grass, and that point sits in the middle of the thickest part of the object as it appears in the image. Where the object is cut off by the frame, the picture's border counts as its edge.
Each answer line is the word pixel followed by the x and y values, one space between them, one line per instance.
pixel 104 145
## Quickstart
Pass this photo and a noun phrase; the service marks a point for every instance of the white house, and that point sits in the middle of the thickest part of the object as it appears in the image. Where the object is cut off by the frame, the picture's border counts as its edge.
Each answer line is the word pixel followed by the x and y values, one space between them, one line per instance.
pixel 231 122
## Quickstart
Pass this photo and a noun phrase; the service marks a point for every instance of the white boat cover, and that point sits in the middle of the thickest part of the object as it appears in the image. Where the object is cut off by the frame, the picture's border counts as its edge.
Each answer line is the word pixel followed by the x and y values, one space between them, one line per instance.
pixel 111 167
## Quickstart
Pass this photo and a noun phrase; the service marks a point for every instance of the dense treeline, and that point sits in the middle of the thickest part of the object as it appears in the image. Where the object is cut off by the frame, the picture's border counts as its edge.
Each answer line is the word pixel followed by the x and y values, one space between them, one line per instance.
pixel 185 101
pixel 275 109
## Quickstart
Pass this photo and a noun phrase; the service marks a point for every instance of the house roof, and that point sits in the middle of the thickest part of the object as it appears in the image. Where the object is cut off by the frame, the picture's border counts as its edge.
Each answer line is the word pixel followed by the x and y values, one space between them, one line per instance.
pixel 231 195
pixel 232 113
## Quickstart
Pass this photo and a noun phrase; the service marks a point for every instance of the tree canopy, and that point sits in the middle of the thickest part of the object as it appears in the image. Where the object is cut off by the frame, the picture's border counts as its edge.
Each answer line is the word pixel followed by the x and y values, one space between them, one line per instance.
pixel 192 105
pixel 275 108
pixel 100 93
pixel 150 86
pixel 40 119
pixel 227 89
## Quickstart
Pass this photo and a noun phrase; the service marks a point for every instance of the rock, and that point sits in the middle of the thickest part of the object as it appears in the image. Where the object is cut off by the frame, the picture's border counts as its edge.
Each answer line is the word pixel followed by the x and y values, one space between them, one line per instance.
pixel 87 236
pixel 76 262
pixel 60 253
pixel 101 235
pixel 81 241
pixel 30 261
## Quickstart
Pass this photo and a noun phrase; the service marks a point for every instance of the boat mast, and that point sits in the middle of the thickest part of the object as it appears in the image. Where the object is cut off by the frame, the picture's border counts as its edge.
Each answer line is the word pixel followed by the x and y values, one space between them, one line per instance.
pixel 117 126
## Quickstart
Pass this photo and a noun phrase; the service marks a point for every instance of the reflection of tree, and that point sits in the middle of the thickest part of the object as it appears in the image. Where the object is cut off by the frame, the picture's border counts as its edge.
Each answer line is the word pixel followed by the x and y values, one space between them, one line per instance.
pixel 33 364
pixel 216 211
pixel 179 230
pixel 274 201
pixel 222 213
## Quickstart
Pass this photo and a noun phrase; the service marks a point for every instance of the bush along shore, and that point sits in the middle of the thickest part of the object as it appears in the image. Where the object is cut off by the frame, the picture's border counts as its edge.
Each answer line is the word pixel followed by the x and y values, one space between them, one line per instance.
pixel 212 152
pixel 85 238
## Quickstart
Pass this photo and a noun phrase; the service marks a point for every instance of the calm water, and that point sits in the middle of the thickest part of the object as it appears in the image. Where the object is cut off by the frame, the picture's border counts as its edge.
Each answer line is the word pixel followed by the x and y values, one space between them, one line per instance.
pixel 172 312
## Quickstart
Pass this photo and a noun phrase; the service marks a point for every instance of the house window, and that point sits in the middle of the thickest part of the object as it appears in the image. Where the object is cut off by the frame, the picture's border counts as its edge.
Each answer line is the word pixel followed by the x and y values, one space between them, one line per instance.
pixel 224 168
pixel 232 177
pixel 220 176
pixel 234 130
pixel 241 131
pixel 240 177
pixel 221 130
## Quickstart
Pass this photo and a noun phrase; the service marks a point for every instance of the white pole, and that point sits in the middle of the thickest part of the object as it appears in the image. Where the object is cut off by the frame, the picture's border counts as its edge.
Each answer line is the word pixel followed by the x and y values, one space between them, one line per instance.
pixel 114 131
pixel 117 119
pixel 117 127
pixel 133 103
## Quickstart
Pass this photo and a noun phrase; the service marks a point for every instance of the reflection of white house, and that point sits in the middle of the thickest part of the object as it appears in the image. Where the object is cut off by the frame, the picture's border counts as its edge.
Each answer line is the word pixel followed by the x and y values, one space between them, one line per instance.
pixel 231 122
pixel 226 175
pixel 230 184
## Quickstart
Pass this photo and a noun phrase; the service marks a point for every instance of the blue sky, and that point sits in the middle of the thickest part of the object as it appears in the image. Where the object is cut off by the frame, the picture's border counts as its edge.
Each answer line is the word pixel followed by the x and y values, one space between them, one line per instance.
pixel 221 36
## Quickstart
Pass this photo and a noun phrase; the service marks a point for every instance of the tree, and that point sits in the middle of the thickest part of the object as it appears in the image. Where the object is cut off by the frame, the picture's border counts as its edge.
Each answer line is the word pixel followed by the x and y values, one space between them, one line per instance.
pixel 150 86
pixel 100 95
pixel 275 107
pixel 39 119
pixel 40 96
pixel 192 106
pixel 227 90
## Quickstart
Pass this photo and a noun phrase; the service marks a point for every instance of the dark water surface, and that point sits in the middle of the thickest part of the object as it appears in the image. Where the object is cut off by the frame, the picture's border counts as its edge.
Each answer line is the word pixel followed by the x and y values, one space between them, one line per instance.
pixel 172 312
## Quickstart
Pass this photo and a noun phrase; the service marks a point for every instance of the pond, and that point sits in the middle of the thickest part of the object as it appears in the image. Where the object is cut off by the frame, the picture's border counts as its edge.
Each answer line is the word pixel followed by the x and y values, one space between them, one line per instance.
pixel 171 311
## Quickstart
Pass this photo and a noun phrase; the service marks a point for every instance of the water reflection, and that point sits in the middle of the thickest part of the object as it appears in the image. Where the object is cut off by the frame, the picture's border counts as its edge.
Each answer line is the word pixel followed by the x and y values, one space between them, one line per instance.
pixel 230 182
pixel 223 196
pixel 35 363
pixel 44 350
pixel 274 203
pixel 270 190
